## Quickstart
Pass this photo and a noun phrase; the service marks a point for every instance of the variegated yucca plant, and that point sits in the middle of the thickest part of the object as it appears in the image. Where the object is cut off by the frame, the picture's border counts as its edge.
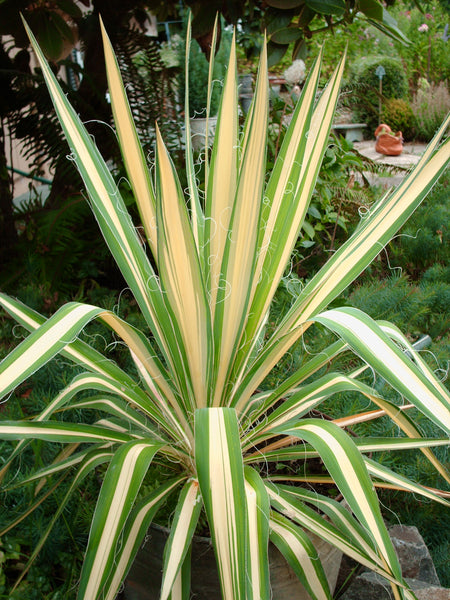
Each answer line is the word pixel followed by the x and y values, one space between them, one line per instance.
pixel 204 280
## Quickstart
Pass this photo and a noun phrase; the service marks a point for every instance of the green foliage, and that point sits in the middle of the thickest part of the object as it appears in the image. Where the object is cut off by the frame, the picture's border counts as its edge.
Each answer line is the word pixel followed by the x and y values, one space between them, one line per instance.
pixel 420 309
pixel 428 55
pixel 425 240
pixel 341 189
pixel 430 104
pixel 198 76
pixel 52 256
pixel 364 85
pixel 398 114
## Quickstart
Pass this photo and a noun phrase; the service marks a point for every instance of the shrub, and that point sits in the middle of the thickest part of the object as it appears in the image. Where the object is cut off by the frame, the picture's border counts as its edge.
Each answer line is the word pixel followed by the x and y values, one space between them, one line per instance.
pixel 365 85
pixel 399 115
pixel 425 240
pixel 430 105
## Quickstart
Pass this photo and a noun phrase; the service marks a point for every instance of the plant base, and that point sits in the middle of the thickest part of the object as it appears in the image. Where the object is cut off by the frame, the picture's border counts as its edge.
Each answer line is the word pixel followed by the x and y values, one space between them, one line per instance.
pixel 144 579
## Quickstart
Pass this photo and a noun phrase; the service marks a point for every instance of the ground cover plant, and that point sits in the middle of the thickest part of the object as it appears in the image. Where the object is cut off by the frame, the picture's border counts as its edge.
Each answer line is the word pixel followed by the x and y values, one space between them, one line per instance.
pixel 194 400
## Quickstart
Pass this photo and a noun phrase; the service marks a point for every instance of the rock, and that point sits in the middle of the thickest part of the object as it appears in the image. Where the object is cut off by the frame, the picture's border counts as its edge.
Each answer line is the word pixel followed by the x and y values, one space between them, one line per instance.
pixel 417 569
pixel 370 586
pixel 425 591
pixel 414 557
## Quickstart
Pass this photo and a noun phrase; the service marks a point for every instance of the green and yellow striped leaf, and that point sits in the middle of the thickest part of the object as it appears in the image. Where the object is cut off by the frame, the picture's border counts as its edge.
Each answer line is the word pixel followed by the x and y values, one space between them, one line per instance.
pixel 368 340
pixel 301 555
pixel 308 518
pixel 305 400
pixel 132 152
pixel 182 530
pixel 220 473
pixel 239 254
pixel 290 187
pixel 44 343
pixel 258 514
pixel 65 433
pixel 118 493
pixel 222 180
pixel 182 280
pixel 77 350
pixel 346 466
pixel 134 533
pixel 111 213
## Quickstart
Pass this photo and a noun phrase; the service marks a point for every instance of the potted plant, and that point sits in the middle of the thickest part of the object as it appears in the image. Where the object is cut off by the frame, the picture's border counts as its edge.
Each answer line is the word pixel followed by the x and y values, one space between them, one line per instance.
pixel 196 401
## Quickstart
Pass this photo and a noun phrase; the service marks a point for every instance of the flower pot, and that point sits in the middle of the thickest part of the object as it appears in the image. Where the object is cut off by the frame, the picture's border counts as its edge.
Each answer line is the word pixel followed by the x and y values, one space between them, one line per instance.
pixel 144 579
pixel 198 132
pixel 388 143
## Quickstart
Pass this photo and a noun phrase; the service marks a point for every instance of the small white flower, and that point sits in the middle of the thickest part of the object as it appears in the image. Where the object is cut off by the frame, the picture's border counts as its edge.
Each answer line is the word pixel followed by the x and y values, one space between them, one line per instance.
pixel 296 73
pixel 423 27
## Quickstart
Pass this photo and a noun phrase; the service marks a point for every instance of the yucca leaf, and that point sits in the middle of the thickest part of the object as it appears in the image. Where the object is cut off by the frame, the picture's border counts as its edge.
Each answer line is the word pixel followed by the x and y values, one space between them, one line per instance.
pixel 160 414
pixel 291 452
pixel 77 350
pixel 96 382
pixel 117 495
pixel 239 257
pixel 407 425
pixel 301 555
pixel 308 518
pixel 222 180
pixel 181 532
pixel 197 219
pixel 134 532
pixel 220 473
pixel 258 513
pixel 110 211
pixel 60 432
pixel 119 409
pixel 383 473
pixel 181 589
pixel 346 466
pixel 369 341
pixel 43 344
pixel 373 233
pixel 182 280
pixel 132 152
pixel 339 516
pixel 396 335
pixel 258 404
pixel 58 465
pixel 291 186
pixel 304 400
pixel 384 219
